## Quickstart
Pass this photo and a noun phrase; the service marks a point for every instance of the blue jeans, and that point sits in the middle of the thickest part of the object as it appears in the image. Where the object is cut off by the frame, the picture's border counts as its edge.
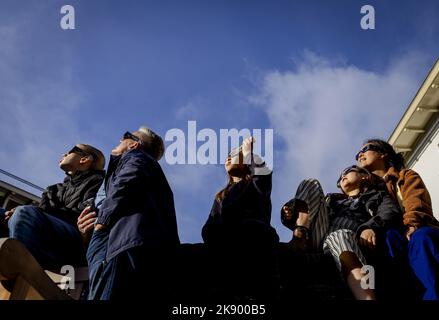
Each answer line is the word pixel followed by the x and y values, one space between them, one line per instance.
pixel 134 274
pixel 100 284
pixel 52 241
pixel 421 254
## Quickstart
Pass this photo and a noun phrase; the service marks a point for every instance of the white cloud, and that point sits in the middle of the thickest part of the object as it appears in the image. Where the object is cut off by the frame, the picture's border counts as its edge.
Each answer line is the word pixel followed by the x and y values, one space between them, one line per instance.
pixel 323 111
pixel 188 111
pixel 196 108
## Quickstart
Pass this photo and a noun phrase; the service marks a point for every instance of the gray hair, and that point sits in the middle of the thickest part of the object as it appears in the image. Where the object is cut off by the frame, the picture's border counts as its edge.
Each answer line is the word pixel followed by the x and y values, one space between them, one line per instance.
pixel 152 142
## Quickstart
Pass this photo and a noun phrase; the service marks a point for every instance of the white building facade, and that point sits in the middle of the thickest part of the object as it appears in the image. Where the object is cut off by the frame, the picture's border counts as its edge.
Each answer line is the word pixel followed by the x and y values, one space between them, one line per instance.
pixel 417 135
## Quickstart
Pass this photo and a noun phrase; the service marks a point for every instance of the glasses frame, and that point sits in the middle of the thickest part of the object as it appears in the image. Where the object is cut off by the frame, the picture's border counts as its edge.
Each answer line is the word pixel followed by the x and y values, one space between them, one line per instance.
pixel 78 151
pixel 369 147
pixel 129 135
pixel 353 168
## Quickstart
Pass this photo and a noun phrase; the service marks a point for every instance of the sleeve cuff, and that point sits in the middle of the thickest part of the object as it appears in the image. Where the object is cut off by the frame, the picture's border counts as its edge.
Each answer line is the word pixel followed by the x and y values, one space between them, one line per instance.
pixel 104 220
pixel 258 167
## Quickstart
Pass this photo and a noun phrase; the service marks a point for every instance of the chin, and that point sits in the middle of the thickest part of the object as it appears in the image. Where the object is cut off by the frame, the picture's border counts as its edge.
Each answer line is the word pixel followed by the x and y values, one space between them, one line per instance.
pixel 365 165
pixel 362 164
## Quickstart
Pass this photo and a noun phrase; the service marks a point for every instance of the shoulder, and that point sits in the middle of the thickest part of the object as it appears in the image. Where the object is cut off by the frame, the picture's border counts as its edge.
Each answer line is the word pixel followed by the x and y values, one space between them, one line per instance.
pixel 335 199
pixel 409 177
pixel 335 196
pixel 97 175
pixel 136 158
pixel 404 175
pixel 375 194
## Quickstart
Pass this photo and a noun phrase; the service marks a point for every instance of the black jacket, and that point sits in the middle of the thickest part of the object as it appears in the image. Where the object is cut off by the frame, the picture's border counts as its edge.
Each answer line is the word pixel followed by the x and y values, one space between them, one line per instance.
pixel 66 200
pixel 246 202
pixel 138 209
pixel 373 209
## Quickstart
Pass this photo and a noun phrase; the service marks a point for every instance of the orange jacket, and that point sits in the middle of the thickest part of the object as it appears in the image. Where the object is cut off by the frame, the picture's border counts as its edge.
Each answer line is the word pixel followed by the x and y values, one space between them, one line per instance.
pixel 415 197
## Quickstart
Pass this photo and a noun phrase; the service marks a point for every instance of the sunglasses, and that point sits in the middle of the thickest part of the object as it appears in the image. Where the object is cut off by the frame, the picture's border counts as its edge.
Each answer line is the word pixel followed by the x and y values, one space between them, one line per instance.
pixel 369 147
pixel 353 168
pixel 78 150
pixel 129 135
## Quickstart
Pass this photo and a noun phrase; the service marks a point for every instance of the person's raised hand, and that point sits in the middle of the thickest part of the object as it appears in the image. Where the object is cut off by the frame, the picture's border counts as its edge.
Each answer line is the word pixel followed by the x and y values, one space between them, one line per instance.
pixel 246 146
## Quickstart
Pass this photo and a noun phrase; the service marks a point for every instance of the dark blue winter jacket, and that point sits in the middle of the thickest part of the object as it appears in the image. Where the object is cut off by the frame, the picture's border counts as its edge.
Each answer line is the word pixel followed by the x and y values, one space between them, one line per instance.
pixel 139 206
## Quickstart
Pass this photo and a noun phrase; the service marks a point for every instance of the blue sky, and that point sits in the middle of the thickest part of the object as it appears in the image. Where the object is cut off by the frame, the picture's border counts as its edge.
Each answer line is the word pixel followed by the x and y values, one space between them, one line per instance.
pixel 303 68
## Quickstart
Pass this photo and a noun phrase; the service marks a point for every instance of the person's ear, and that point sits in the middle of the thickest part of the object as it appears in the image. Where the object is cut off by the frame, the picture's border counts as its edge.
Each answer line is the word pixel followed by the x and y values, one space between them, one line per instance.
pixel 87 159
pixel 132 145
pixel 135 145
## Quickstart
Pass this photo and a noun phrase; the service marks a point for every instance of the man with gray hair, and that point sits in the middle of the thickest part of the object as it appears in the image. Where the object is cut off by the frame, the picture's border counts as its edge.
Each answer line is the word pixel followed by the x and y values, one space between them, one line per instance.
pixel 135 231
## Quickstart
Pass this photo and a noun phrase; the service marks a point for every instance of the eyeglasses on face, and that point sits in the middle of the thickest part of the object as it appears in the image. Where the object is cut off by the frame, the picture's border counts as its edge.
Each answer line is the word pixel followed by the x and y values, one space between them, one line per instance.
pixel 352 168
pixel 78 150
pixel 129 135
pixel 369 147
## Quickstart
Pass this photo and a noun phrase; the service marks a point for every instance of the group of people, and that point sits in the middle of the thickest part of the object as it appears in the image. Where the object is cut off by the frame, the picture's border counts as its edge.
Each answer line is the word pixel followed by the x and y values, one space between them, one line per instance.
pixel 383 215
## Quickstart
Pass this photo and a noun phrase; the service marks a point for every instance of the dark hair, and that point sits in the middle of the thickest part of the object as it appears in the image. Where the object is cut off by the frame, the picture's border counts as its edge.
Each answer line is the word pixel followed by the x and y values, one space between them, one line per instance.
pixel 392 158
pixel 220 195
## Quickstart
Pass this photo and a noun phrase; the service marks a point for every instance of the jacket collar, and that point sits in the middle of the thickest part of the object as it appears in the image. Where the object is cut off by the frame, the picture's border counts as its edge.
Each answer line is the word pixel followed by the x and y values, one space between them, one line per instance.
pixel 81 175
pixel 115 160
pixel 112 165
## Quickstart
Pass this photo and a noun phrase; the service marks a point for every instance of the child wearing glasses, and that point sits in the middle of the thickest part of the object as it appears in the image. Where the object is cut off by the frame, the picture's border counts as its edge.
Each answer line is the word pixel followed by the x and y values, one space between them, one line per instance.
pixel 345 225
pixel 51 231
